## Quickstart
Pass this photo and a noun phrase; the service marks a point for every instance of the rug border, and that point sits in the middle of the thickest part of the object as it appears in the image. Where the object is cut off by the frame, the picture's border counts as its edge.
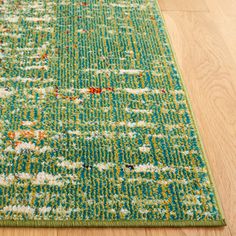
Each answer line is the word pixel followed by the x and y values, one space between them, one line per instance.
pixel 110 223
pixel 194 120
pixel 137 223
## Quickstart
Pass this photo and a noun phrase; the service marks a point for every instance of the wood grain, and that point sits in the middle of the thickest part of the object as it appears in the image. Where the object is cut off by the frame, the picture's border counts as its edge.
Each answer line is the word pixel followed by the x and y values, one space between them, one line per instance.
pixel 206 64
pixel 203 35
pixel 102 232
pixel 183 5
pixel 225 7
pixel 27 232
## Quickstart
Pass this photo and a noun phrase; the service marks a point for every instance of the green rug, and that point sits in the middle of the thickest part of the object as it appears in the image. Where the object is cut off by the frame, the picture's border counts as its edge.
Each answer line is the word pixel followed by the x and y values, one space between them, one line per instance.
pixel 95 125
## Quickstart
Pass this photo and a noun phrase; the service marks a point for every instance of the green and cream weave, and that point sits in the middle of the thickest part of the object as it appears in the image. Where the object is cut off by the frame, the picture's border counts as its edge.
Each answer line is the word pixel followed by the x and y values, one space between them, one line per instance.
pixel 95 125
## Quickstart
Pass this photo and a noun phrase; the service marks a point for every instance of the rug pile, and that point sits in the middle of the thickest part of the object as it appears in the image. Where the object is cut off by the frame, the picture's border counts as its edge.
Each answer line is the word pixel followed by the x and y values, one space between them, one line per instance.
pixel 95 125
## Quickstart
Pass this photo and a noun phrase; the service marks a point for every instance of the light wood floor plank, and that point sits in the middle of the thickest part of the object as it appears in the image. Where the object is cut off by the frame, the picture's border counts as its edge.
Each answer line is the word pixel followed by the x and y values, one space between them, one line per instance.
pixel 183 5
pixel 28 232
pixel 188 232
pixel 226 7
pixel 206 65
pixel 227 27
pixel 103 232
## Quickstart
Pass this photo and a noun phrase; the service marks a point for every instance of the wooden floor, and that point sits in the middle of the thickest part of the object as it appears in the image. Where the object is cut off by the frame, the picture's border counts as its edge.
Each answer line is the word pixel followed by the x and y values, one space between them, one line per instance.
pixel 203 34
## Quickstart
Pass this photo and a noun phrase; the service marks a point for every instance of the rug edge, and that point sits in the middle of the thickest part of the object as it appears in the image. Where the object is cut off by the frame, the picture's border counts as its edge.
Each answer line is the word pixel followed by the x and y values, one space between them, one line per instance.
pixel 107 223
pixel 218 202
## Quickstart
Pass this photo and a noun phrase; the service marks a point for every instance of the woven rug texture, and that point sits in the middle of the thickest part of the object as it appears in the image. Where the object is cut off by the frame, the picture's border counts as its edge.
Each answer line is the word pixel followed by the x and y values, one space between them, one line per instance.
pixel 95 123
